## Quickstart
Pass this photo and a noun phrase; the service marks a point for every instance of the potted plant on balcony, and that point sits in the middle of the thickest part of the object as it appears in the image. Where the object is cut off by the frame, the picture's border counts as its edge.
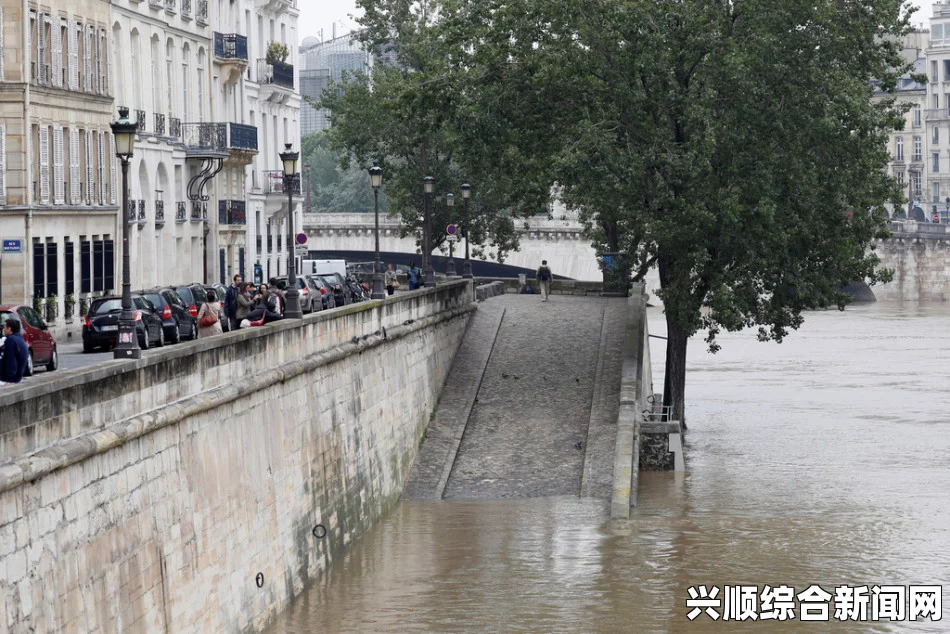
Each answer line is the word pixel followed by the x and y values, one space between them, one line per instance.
pixel 277 53
pixel 52 308
pixel 38 305
pixel 69 304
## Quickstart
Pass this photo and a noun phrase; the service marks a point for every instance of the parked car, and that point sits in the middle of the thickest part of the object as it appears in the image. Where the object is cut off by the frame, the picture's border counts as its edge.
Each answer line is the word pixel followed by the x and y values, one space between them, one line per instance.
pixel 101 326
pixel 341 293
pixel 194 295
pixel 318 286
pixel 42 346
pixel 176 319
pixel 304 295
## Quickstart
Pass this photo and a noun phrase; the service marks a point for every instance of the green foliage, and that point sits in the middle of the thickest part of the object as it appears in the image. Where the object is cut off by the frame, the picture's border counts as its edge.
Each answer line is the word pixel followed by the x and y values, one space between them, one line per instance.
pixel 333 188
pixel 277 53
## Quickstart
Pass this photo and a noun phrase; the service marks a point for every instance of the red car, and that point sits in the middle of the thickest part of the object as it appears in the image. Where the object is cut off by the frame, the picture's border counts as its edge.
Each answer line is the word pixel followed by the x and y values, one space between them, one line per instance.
pixel 36 334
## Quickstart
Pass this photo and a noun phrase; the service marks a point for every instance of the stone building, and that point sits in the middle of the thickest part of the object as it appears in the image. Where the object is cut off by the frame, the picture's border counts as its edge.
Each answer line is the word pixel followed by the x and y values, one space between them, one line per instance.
pixel 58 212
pixel 937 117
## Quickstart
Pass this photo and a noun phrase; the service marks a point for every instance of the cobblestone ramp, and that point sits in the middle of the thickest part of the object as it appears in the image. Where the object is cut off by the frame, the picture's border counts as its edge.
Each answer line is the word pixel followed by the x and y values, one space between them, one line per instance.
pixel 551 376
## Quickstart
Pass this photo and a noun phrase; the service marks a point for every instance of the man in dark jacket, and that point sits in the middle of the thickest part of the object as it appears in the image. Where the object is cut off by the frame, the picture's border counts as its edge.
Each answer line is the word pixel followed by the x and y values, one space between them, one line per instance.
pixel 230 303
pixel 15 353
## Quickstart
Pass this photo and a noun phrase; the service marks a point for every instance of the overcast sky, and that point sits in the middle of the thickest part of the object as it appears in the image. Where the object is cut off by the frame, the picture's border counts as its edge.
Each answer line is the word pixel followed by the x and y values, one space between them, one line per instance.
pixel 321 14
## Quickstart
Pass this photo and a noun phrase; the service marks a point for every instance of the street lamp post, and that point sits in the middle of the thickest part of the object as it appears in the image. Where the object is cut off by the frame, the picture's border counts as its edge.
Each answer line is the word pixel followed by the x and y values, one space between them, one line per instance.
pixel 428 184
pixel 450 269
pixel 123 131
pixel 289 159
pixel 467 265
pixel 376 181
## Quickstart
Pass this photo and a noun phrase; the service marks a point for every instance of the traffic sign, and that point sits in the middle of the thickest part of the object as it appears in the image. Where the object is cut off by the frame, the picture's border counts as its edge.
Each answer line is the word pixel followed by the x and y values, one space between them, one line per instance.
pixel 12 246
pixel 301 251
pixel 301 238
pixel 452 237
pixel 452 230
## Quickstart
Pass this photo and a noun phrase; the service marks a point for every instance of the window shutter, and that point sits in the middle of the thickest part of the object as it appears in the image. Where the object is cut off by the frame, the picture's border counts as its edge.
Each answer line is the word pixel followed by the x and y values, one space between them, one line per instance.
pixel 41 50
pixel 75 193
pixel 87 59
pixel 1 44
pixel 103 173
pixel 29 43
pixel 44 164
pixel 56 53
pixel 112 164
pixel 73 45
pixel 109 47
pixel 100 54
pixel 90 181
pixel 58 184
pixel 3 165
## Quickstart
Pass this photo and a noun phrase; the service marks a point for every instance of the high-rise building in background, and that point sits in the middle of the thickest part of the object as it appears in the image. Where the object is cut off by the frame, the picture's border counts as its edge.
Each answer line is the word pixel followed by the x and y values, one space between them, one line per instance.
pixel 325 62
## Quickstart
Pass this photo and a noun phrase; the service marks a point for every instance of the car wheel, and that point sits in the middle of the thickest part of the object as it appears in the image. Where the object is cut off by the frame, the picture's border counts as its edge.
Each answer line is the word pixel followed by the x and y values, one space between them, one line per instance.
pixel 53 361
pixel 29 364
pixel 87 347
pixel 161 337
pixel 143 341
pixel 176 334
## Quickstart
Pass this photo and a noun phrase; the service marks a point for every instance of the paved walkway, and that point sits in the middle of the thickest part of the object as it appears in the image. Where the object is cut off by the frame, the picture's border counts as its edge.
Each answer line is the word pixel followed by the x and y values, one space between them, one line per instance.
pixel 529 408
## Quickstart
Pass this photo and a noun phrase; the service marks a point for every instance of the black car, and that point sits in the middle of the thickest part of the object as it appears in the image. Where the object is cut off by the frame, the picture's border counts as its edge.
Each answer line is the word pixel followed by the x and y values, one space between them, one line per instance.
pixel 101 326
pixel 194 295
pixel 341 292
pixel 176 319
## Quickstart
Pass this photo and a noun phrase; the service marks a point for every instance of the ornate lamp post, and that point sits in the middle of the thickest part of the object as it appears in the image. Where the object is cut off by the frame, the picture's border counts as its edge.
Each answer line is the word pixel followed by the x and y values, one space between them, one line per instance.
pixel 467 265
pixel 428 184
pixel 450 269
pixel 123 131
pixel 289 158
pixel 376 181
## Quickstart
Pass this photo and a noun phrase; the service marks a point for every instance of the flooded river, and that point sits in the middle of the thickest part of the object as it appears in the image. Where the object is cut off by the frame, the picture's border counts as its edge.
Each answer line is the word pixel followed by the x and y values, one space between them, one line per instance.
pixel 823 460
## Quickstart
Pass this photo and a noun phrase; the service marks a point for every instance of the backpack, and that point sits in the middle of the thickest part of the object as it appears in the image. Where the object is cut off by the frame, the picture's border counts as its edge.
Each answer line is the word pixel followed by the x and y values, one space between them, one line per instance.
pixel 544 274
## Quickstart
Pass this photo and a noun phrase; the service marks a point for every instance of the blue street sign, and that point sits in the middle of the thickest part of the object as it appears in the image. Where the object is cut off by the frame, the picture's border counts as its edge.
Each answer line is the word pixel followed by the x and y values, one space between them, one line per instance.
pixel 12 246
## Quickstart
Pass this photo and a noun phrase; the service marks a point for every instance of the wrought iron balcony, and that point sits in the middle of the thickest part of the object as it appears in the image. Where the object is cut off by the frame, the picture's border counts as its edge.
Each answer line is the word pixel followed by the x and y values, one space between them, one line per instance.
pixel 170 6
pixel 141 212
pixel 174 127
pixel 274 183
pixel 230 46
pixel 181 213
pixel 242 137
pixel 186 9
pixel 159 123
pixel 232 212
pixel 155 4
pixel 140 120
pixel 218 139
pixel 159 213
pixel 259 242
pixel 199 211
pixel 270 243
pixel 279 74
pixel 201 14
pixel 130 210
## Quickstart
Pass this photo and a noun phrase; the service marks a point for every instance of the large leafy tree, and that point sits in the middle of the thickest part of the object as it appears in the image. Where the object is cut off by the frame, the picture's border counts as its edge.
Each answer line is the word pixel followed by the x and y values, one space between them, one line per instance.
pixel 733 144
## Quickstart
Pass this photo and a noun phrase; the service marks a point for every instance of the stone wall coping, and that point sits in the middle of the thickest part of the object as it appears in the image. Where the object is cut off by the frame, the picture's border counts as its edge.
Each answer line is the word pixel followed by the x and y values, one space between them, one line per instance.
pixel 45 385
pixel 41 463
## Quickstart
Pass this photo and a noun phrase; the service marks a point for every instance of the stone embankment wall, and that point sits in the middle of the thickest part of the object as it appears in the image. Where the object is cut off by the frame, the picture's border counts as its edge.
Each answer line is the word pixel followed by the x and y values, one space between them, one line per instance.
pixel 203 487
pixel 919 255
pixel 484 291
pixel 558 287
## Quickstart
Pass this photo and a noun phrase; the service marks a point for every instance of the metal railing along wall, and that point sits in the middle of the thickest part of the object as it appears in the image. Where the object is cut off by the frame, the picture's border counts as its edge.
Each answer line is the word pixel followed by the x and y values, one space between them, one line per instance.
pixel 205 136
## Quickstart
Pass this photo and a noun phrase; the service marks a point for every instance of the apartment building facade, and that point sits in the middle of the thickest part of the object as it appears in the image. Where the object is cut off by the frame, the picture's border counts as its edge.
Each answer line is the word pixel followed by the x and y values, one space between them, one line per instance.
pixel 58 201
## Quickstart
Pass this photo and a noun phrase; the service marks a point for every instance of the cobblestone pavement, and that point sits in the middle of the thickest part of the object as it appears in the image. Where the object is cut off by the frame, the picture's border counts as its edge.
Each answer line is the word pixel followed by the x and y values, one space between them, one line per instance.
pixel 526 435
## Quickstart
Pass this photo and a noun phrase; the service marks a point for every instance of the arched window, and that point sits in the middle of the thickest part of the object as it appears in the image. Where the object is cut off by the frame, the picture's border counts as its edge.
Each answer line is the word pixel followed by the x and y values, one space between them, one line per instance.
pixel 134 57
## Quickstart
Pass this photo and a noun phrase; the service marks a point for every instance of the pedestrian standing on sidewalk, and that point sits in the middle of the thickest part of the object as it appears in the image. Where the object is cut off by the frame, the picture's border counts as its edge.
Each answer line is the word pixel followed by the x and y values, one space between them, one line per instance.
pixel 390 280
pixel 15 353
pixel 243 303
pixel 209 317
pixel 544 277
pixel 415 276
pixel 230 302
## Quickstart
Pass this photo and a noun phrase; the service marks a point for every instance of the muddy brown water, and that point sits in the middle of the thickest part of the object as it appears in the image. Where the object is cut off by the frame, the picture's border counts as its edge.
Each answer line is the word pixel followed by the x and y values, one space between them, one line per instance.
pixel 824 460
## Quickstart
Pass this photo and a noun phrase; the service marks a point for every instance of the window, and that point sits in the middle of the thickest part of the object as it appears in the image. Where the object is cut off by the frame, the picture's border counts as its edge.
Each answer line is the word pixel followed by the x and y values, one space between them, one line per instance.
pixel 915 184
pixel 936 102
pixel 156 77
pixel 899 155
pixel 39 269
pixel 185 80
pixel 936 137
pixel 170 77
pixel 918 153
pixel 900 179
pixel 937 34
pixel 936 192
pixel 134 74
pixel 69 261
pixel 933 71
pixel 85 265
pixel 201 84
pixel 917 116
pixel 936 165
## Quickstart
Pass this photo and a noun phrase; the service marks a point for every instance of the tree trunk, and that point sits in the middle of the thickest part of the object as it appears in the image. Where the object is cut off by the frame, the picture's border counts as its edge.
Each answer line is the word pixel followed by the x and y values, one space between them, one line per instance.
pixel 674 381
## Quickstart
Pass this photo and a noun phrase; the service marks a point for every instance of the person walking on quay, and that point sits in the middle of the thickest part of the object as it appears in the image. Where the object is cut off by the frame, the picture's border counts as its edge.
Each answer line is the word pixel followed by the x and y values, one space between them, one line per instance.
pixel 14 353
pixel 415 276
pixel 230 302
pixel 544 277
pixel 244 302
pixel 390 280
pixel 209 317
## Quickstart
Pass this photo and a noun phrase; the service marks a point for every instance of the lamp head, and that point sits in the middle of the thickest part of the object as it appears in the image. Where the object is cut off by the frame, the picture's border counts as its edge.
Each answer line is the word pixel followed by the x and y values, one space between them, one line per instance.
pixel 466 191
pixel 376 176
pixel 123 131
pixel 450 200
pixel 289 158
pixel 429 184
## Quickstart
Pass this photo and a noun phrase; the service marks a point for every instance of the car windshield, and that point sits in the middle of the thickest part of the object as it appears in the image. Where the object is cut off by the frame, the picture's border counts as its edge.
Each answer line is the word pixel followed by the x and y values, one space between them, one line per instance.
pixel 185 293
pixel 156 299
pixel 201 295
pixel 106 306
pixel 141 304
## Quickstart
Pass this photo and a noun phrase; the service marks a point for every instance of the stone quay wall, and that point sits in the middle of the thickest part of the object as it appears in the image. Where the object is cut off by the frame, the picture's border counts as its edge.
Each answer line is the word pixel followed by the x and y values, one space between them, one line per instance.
pixel 202 487
pixel 919 255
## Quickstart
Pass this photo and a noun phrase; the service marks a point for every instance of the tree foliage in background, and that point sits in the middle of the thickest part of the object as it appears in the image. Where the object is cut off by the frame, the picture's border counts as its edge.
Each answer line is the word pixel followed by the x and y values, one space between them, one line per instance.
pixel 733 144
pixel 334 189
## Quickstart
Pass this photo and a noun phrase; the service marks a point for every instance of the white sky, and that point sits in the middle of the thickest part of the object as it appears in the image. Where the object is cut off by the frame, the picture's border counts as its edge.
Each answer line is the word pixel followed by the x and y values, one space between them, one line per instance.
pixel 322 14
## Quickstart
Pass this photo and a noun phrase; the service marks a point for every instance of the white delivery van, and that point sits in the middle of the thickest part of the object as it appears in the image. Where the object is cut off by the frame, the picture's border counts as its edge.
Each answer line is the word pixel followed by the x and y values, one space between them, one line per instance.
pixel 323 267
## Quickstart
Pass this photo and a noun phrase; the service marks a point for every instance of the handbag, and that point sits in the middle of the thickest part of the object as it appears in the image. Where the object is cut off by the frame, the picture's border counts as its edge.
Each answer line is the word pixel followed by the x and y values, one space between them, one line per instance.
pixel 396 284
pixel 208 319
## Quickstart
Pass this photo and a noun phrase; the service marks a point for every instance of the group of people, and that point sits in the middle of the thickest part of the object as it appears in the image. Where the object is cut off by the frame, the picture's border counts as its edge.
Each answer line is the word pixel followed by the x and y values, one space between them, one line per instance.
pixel 246 304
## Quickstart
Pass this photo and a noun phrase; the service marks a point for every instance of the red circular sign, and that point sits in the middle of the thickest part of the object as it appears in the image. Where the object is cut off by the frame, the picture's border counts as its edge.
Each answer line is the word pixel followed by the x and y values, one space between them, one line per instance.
pixel 451 230
pixel 301 239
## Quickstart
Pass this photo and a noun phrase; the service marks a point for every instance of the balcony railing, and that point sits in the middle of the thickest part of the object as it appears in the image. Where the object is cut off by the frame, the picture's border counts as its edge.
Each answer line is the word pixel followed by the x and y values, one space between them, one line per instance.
pixel 199 211
pixel 130 210
pixel 259 241
pixel 159 123
pixel 186 9
pixel 174 127
pixel 219 137
pixel 274 183
pixel 279 74
pixel 232 212
pixel 181 213
pixel 937 114
pixel 155 4
pixel 141 212
pixel 242 137
pixel 202 13
pixel 270 243
pixel 159 213
pixel 230 46
pixel 140 120
pixel 170 6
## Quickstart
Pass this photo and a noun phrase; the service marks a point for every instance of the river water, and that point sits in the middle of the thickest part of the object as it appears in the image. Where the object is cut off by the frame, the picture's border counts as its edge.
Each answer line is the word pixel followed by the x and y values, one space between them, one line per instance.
pixel 823 460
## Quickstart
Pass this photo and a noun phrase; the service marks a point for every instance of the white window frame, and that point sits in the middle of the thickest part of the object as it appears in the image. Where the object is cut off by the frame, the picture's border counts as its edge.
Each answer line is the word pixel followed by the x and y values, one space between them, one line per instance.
pixel 899 154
